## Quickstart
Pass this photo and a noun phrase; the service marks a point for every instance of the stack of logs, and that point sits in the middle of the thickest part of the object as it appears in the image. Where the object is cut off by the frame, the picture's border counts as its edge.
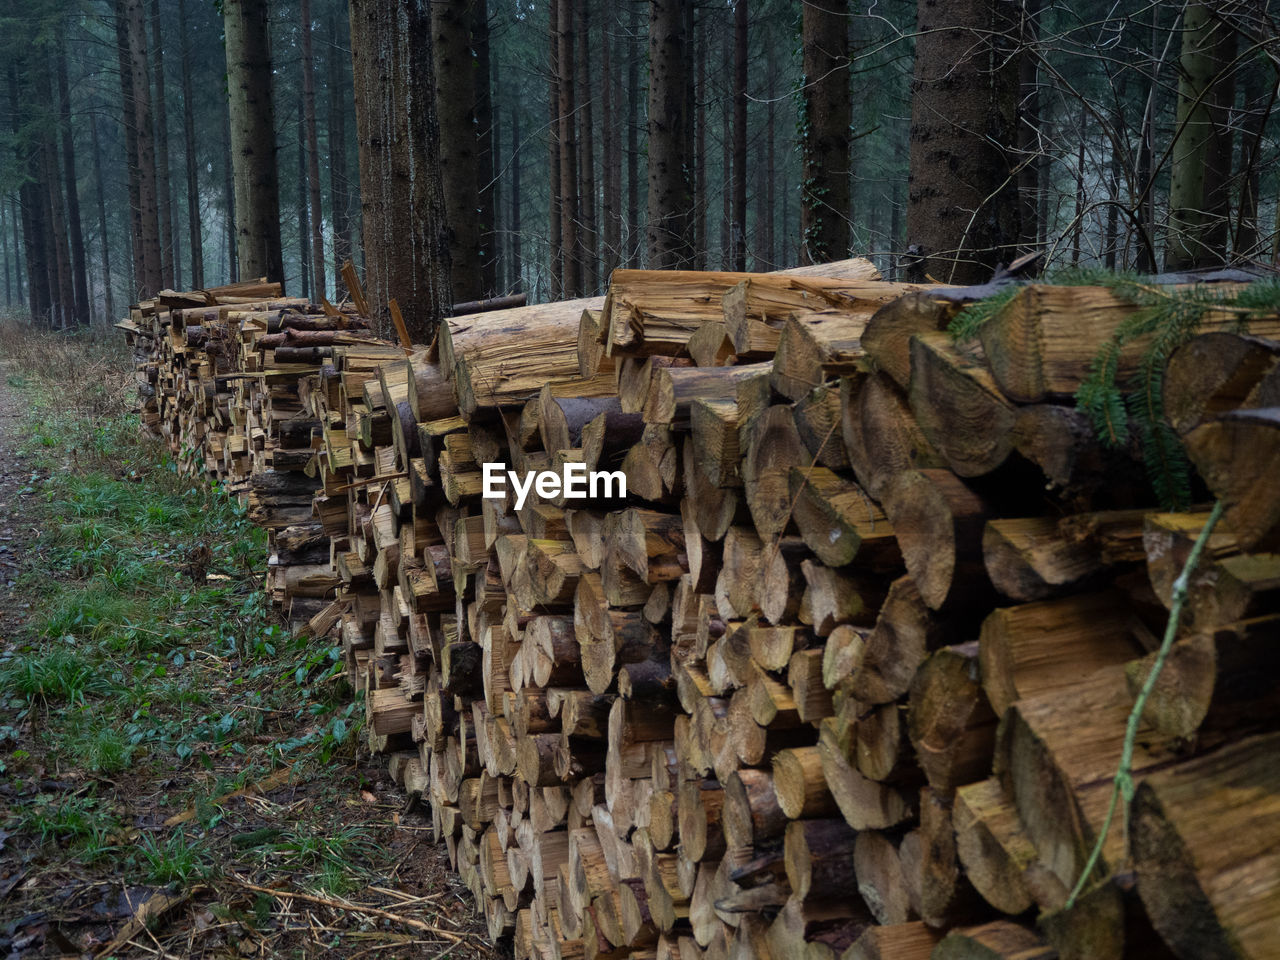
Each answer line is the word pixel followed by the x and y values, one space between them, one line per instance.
pixel 222 377
pixel 847 673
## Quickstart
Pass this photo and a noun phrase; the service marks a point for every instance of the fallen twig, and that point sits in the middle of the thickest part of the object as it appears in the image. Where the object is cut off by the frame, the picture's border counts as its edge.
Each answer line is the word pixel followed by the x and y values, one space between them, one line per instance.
pixel 350 907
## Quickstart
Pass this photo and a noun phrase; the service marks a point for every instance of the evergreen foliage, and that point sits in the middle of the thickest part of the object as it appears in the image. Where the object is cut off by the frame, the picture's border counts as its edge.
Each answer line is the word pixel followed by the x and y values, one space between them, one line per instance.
pixel 1165 317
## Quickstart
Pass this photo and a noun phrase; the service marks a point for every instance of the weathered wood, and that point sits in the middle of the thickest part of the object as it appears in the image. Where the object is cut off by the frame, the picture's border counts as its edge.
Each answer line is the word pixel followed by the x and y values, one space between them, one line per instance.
pixel 1206 846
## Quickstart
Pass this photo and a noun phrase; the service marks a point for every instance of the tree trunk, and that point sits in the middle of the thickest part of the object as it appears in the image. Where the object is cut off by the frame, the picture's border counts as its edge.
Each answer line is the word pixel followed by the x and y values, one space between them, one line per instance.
pixel 962 212
pixel 1259 100
pixel 313 152
pixel 406 239
pixel 587 168
pixel 770 170
pixel 192 166
pixel 516 267
pixel 109 299
pixel 31 206
pixel 1201 146
pixel 339 194
pixel 1029 152
pixel 229 199
pixel 131 155
pixel 304 218
pixel 150 277
pixel 79 275
pixel 59 252
pixel 15 220
pixel 612 144
pixel 633 138
pixel 700 245
pixel 739 232
pixel 556 204
pixel 4 249
pixel 486 164
pixel 170 269
pixel 726 152
pixel 670 191
pixel 567 120
pixel 455 87
pixel 1078 230
pixel 253 138
pixel 824 206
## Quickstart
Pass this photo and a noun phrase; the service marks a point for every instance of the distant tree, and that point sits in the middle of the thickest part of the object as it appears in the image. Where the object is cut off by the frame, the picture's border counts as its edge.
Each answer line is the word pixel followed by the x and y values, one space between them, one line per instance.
pixel 406 241
pixel 1200 175
pixel 253 138
pixel 189 144
pixel 825 104
pixel 313 147
pixel 455 102
pixel 670 223
pixel 962 212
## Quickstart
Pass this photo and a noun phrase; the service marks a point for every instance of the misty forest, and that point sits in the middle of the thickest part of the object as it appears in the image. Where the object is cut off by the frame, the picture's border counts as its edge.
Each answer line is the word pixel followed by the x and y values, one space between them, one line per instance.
pixel 467 149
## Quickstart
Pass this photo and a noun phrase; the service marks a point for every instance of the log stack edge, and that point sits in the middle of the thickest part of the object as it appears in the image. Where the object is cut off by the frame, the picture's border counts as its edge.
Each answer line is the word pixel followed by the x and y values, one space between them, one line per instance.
pixel 847 673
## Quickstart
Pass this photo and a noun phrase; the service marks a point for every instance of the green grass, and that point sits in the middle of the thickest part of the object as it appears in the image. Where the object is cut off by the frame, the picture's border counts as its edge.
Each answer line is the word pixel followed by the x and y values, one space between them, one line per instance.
pixel 130 672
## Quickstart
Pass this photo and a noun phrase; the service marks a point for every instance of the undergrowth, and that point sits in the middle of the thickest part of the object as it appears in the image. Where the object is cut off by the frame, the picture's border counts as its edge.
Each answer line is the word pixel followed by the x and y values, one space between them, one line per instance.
pixel 150 677
pixel 1166 317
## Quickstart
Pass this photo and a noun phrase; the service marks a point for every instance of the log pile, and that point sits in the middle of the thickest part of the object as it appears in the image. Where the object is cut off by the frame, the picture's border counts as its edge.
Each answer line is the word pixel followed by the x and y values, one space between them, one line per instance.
pixel 847 673
pixel 221 374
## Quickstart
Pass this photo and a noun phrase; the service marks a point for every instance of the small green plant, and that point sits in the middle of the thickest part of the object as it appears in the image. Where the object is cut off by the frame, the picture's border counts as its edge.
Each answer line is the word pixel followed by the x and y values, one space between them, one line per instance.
pixel 1166 318
pixel 173 860
pixel 60 674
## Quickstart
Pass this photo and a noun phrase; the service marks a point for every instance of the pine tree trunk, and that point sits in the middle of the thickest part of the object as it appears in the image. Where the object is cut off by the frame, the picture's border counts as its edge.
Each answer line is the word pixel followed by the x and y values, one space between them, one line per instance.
pixel 304 218
pixel 4 248
pixel 253 139
pixel 740 134
pixel 313 151
pixel 1259 100
pixel 103 233
pixel 1029 151
pixel 555 207
pixel 771 169
pixel 1201 143
pixel 517 253
pixel 229 200
pixel 170 268
pixel 496 244
pixel 79 275
pixel 612 145
pixel 570 214
pixel 486 164
pixel 339 194
pixel 30 205
pixel 824 201
pixel 406 240
pixel 700 244
pixel 131 157
pixel 59 252
pixel 15 221
pixel 192 167
pixel 587 172
pixel 455 105
pixel 726 151
pixel 670 244
pixel 962 213
pixel 150 276
pixel 633 258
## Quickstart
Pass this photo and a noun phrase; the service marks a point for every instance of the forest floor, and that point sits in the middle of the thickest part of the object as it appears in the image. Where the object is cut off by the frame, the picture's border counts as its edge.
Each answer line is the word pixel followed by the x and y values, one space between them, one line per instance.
pixel 179 777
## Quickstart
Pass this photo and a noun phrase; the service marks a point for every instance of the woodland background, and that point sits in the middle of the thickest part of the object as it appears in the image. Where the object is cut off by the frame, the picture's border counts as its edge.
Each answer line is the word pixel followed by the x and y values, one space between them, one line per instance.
pixel 470 148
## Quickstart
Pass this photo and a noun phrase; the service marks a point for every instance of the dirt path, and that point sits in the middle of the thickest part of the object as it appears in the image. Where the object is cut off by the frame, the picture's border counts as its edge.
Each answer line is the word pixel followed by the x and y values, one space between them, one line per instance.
pixel 18 531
